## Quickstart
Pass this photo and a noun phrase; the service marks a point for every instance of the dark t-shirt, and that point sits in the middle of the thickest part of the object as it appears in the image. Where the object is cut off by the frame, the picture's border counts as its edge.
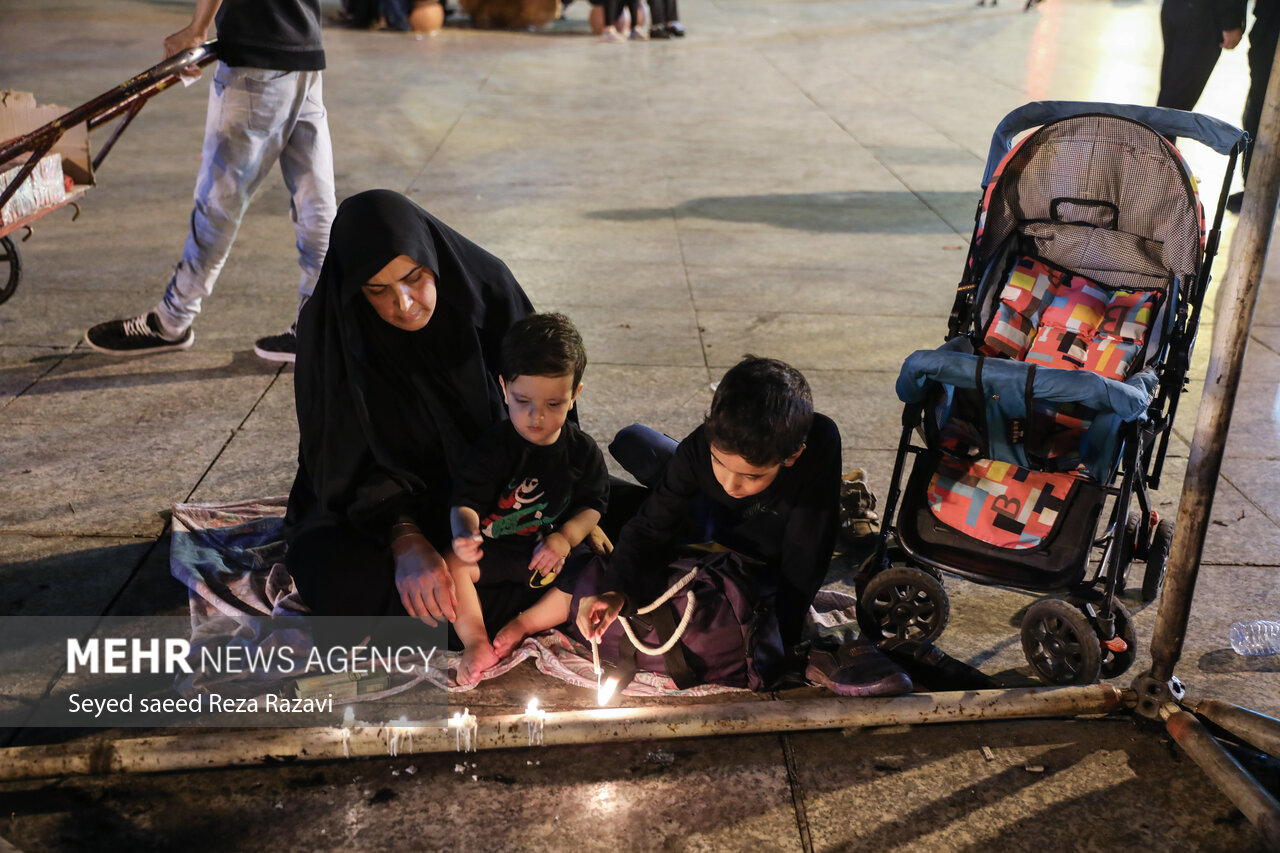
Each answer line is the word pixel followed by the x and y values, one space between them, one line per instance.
pixel 523 491
pixel 280 35
pixel 790 527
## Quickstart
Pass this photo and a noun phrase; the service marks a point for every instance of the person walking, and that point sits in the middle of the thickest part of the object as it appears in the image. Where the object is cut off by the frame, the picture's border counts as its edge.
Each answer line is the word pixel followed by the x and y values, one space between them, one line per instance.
pixel 265 106
pixel 1195 32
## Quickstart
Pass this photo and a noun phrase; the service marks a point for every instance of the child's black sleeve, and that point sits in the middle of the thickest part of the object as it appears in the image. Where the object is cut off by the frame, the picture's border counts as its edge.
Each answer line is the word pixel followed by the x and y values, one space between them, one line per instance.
pixel 811 529
pixel 591 487
pixel 480 478
pixel 645 544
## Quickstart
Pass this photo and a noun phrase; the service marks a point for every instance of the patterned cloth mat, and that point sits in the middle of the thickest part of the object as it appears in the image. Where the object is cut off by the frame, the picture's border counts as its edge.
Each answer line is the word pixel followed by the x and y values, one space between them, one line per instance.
pixel 230 558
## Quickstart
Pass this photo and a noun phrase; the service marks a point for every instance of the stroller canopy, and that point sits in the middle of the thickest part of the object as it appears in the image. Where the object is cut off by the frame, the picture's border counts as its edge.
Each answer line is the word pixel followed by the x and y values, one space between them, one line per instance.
pixel 1102 195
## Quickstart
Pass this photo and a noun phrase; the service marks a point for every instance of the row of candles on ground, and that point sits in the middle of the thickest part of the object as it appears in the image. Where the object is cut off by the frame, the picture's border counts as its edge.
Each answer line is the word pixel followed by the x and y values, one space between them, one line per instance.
pixel 464 723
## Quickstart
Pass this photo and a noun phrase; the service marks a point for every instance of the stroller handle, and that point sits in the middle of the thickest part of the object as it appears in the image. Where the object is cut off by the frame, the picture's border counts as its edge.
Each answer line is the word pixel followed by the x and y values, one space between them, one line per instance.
pixel 1215 133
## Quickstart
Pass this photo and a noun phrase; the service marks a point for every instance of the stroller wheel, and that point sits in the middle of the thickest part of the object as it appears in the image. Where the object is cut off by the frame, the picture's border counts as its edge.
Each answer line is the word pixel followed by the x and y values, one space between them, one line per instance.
pixel 1060 644
pixel 1117 663
pixel 1157 560
pixel 903 602
pixel 1133 550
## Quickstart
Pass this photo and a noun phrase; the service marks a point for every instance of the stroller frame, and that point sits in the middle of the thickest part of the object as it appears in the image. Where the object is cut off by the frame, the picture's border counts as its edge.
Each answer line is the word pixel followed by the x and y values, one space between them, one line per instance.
pixel 1090 634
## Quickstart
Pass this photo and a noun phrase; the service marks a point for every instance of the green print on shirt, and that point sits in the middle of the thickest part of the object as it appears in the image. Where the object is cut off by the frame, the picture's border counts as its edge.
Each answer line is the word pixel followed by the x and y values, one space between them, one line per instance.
pixel 515 516
pixel 525 520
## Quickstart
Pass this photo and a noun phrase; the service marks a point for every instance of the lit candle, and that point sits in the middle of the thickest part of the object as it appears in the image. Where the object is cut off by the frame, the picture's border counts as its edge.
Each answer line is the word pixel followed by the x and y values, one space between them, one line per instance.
pixel 464 726
pixel 534 720
pixel 605 691
pixel 395 733
pixel 596 668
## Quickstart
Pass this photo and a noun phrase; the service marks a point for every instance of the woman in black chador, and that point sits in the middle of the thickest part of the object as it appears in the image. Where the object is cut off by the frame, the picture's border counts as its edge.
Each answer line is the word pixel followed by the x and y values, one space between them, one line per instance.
pixel 396 376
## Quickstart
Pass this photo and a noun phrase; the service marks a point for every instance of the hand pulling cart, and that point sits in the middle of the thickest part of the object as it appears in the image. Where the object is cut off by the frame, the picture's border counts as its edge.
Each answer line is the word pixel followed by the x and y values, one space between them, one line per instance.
pixel 28 149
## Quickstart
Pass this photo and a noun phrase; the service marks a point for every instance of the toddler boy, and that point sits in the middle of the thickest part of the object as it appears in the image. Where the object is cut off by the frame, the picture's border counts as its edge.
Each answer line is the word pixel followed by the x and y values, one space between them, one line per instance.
pixel 531 490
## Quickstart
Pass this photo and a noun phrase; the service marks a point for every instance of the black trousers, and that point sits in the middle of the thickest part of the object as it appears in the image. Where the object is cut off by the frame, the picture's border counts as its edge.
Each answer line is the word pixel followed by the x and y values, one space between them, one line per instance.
pixel 663 12
pixel 1191 48
pixel 613 8
pixel 1263 36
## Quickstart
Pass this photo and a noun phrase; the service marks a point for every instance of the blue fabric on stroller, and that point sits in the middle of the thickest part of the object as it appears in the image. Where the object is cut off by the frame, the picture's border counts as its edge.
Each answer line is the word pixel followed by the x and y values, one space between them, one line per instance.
pixel 1009 389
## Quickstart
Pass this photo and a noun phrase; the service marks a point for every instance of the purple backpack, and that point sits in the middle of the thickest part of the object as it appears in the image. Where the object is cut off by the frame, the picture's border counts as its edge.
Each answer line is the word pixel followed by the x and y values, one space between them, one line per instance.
pixel 731 637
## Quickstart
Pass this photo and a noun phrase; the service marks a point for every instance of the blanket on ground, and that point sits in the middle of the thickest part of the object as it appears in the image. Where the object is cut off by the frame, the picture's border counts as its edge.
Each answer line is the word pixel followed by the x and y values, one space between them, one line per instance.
pixel 231 559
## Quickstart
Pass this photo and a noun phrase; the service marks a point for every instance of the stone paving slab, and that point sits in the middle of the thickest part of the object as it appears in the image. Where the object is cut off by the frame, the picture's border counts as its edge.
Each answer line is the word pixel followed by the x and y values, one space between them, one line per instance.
pixel 168 389
pixel 104 480
pixel 54 577
pixel 1080 786
pixel 265 457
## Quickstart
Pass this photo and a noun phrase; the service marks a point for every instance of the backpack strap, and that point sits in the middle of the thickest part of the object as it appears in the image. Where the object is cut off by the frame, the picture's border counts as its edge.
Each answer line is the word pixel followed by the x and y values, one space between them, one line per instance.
pixel 676 633
pixel 673 659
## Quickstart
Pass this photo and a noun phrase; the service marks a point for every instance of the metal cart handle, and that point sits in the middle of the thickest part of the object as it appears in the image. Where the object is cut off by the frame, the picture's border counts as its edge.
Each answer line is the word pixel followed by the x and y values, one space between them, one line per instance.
pixel 129 97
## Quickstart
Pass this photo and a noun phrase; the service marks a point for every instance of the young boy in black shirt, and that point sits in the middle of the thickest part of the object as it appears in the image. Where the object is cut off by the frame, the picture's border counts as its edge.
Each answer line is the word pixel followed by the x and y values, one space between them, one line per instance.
pixel 760 476
pixel 531 490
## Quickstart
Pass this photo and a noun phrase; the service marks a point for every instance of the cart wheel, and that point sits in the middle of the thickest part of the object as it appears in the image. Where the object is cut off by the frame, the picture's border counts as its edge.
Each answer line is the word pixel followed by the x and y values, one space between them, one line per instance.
pixel 1117 663
pixel 903 602
pixel 9 256
pixel 1157 560
pixel 1060 644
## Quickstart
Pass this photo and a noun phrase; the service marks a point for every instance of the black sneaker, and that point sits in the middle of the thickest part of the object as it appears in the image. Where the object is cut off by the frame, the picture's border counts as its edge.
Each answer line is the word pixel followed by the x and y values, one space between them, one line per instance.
pixel 282 347
pixel 676 29
pixel 139 336
pixel 857 668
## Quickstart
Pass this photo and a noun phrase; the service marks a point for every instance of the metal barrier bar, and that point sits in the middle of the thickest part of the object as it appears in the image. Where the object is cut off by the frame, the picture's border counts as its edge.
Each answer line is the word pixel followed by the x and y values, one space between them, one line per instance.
pixel 1222 379
pixel 1255 729
pixel 1258 806
pixel 235 747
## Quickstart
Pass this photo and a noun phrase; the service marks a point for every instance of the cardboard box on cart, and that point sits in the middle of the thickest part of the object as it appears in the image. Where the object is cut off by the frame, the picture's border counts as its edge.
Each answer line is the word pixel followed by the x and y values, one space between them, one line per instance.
pixel 19 115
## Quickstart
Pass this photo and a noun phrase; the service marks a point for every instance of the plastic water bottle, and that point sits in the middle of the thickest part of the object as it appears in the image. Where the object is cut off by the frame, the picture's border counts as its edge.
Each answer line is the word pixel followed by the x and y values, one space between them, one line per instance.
pixel 1256 638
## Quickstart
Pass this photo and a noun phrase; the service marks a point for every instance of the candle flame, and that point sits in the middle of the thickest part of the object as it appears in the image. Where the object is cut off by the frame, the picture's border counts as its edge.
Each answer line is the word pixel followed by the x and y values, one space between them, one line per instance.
pixel 605 693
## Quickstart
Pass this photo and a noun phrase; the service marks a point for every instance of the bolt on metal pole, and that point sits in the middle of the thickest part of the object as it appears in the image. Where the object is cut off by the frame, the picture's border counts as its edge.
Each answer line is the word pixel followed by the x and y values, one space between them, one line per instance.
pixel 1226 360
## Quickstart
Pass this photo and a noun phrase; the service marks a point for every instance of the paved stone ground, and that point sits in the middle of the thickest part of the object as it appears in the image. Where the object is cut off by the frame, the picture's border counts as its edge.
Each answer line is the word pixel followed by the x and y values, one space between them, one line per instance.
pixel 795 179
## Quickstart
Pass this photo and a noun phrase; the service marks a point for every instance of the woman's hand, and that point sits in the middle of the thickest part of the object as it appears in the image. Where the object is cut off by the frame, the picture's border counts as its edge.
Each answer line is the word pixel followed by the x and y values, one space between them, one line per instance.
pixel 598 542
pixel 550 554
pixel 423 580
pixel 597 612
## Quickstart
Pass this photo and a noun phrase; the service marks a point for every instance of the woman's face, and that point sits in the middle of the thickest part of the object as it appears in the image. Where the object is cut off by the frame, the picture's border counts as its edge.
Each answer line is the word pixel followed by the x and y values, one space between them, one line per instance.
pixel 403 293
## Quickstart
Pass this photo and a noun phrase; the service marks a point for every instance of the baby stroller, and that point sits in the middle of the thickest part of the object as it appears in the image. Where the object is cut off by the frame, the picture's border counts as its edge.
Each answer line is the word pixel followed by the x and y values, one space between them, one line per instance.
pixel 1048 410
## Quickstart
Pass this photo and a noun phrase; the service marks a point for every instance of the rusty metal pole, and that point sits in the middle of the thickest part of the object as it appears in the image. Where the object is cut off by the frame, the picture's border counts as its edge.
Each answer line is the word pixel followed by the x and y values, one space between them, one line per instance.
pixel 1254 802
pixel 203 750
pixel 1230 336
pixel 1253 728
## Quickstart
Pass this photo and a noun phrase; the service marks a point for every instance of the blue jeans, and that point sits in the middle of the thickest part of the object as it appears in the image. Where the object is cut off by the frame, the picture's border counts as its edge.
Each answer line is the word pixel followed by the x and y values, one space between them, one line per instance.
pixel 396 14
pixel 643 452
pixel 256 117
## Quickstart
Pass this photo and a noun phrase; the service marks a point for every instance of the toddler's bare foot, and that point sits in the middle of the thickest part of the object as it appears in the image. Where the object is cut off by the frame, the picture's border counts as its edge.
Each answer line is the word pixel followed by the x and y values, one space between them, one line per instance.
pixel 511 635
pixel 475 660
